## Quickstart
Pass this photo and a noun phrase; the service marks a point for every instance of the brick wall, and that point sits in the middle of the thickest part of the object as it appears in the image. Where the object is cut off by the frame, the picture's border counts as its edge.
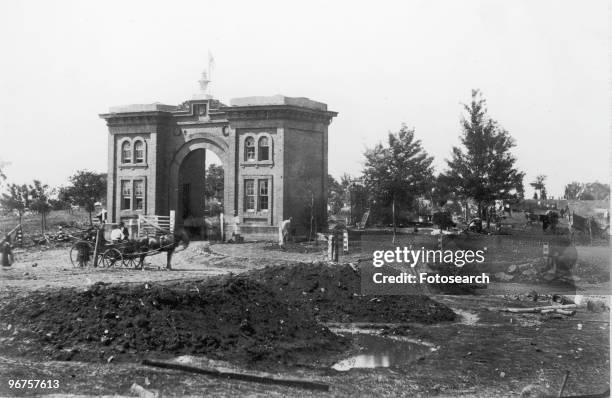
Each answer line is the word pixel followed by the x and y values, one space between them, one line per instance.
pixel 304 176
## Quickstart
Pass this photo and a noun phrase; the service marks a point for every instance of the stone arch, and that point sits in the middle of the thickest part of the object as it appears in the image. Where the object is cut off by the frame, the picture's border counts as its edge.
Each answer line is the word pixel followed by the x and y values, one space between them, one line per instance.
pixel 218 147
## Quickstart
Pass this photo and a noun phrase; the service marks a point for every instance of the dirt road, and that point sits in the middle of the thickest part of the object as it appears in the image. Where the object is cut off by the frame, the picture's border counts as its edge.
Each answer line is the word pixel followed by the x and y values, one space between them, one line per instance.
pixel 484 353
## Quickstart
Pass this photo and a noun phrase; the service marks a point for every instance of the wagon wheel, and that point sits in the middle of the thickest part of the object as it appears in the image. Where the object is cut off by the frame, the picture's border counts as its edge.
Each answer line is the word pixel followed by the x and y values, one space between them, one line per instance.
pixel 111 258
pixel 81 254
pixel 132 261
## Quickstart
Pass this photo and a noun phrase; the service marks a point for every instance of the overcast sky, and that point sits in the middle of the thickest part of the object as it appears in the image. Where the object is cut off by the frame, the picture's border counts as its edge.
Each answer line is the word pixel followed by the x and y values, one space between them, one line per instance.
pixel 542 66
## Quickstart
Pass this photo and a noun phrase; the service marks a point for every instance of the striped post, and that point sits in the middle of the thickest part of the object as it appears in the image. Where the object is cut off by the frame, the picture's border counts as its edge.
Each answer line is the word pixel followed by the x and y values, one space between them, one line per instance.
pixel 19 236
pixel 172 220
pixel 345 241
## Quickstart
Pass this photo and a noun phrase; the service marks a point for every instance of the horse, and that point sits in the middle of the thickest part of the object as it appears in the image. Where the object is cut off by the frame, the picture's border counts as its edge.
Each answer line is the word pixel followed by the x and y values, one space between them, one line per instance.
pixel 164 243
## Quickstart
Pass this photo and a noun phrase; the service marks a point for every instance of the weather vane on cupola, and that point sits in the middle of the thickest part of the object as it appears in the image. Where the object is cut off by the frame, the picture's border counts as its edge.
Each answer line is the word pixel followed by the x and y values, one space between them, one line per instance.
pixel 206 79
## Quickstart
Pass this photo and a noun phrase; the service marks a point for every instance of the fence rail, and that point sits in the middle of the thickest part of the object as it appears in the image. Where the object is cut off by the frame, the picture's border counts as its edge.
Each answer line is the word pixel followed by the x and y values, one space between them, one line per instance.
pixel 155 225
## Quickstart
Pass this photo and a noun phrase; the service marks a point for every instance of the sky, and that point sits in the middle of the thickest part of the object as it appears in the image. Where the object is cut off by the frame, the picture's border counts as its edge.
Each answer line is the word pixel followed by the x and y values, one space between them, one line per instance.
pixel 541 65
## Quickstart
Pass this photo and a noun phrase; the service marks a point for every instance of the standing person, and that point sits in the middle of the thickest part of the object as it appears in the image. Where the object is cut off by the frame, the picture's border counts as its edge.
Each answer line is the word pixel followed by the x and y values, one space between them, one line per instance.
pixel 102 215
pixel 7 252
pixel 284 230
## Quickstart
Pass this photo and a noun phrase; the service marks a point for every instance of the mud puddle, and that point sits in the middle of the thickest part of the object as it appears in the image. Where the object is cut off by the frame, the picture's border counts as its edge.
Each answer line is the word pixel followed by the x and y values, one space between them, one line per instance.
pixel 467 317
pixel 383 352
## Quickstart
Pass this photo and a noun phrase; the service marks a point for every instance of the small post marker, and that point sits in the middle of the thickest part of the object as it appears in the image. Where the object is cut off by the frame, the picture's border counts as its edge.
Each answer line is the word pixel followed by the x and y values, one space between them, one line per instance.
pixel 97 247
pixel 345 241
pixel 19 236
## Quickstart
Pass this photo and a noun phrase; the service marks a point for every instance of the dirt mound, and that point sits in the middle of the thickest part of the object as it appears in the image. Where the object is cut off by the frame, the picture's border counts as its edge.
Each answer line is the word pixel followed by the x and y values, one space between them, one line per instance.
pixel 230 317
pixel 332 293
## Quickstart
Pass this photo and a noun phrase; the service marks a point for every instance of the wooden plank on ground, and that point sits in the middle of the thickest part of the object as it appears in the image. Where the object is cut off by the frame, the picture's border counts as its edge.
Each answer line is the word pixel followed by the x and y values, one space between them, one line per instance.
pixel 310 385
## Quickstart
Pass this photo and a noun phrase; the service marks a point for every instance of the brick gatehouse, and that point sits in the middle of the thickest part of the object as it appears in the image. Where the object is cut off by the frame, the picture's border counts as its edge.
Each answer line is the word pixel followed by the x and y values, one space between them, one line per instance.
pixel 273 150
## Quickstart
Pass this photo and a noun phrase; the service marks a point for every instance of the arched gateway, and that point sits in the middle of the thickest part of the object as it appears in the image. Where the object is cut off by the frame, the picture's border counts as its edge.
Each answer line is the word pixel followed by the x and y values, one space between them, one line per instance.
pixel 273 150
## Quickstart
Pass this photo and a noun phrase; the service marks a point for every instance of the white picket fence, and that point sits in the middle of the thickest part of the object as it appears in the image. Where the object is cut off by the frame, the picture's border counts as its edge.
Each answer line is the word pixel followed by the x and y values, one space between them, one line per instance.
pixel 155 225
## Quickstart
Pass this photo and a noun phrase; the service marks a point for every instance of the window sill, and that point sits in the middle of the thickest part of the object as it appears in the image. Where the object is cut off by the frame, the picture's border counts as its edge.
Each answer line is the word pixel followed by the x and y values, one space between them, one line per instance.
pixel 257 163
pixel 252 213
pixel 133 166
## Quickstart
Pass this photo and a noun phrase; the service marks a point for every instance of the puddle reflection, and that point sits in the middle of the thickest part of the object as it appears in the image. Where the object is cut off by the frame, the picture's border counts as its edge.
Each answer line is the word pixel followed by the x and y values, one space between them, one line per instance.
pixel 380 352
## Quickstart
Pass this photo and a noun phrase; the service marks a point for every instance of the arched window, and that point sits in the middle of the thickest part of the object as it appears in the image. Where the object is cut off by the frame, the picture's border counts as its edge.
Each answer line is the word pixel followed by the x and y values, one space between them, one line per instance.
pixel 249 149
pixel 139 152
pixel 126 152
pixel 264 149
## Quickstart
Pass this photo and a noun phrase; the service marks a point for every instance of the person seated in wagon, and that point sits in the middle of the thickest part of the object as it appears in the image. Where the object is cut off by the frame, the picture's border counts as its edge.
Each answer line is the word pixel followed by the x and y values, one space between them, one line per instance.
pixel 119 233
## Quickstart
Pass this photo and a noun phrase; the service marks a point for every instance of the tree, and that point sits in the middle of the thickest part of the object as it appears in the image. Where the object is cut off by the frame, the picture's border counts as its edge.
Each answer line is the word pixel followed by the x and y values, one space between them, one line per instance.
pixel 589 191
pixel 335 195
pixel 356 195
pixel 483 170
pixel 443 219
pixel 597 191
pixel 573 190
pixel 16 199
pixel 87 188
pixel 63 200
pixel 540 186
pixel 39 193
pixel 213 184
pixel 399 172
pixel 3 165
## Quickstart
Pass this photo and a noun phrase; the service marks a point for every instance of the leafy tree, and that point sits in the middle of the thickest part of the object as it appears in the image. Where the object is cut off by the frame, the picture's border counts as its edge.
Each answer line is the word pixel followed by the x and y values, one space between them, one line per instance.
pixel 589 191
pixel 359 199
pixel 3 165
pixel 17 198
pixel 85 189
pixel 397 173
pixel 484 169
pixel 356 195
pixel 39 193
pixel 443 219
pixel 597 191
pixel 349 191
pixel 540 186
pixel 446 199
pixel 213 184
pixel 335 195
pixel 63 200
pixel 573 190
